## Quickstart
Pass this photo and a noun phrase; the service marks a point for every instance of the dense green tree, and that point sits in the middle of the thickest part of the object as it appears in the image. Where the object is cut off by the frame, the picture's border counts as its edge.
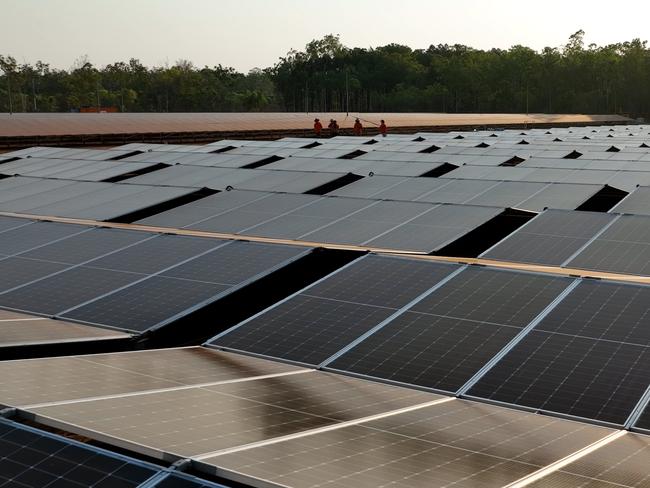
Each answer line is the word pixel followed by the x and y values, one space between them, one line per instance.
pixel 328 76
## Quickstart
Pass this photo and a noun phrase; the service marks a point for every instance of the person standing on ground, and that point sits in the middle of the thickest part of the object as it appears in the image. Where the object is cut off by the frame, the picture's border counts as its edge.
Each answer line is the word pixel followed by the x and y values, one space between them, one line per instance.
pixel 318 127
pixel 383 130
pixel 358 128
pixel 333 127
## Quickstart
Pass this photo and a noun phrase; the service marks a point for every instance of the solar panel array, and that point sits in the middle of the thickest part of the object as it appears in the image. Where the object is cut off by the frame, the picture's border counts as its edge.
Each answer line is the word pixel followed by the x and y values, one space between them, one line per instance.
pixel 593 241
pixel 81 199
pixel 408 226
pixel 390 370
pixel 261 422
pixel 124 279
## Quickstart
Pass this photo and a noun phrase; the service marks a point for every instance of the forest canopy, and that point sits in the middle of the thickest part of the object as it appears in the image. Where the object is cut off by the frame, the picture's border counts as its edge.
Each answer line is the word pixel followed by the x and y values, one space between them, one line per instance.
pixel 328 76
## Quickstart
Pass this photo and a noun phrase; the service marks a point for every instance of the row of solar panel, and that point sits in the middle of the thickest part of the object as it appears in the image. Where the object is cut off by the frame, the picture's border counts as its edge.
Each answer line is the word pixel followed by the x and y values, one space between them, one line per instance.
pixel 83 200
pixel 544 342
pixel 31 458
pixel 123 279
pixel 271 424
pixel 594 241
pixel 408 226
pixel 19 330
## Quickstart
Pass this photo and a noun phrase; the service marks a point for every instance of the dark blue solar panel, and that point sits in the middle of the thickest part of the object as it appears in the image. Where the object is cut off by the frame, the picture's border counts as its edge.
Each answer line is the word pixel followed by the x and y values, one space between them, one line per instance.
pixel 33 459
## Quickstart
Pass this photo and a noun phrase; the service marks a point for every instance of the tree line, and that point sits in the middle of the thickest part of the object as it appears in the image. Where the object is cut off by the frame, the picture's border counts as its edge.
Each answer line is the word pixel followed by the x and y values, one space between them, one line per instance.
pixel 328 77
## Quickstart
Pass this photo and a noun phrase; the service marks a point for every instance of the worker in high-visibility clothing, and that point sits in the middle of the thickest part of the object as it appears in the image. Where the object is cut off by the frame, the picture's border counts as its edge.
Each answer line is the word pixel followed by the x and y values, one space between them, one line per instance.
pixel 333 127
pixel 357 129
pixel 383 130
pixel 318 127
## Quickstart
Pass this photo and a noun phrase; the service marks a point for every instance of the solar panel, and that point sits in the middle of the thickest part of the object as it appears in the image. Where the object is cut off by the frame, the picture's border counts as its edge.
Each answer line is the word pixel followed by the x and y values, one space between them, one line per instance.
pixel 36 234
pixel 204 208
pixel 67 289
pixel 235 263
pixel 638 202
pixel 86 246
pixel 457 191
pixel 452 444
pixel 8 223
pixel 31 458
pixel 35 203
pixel 563 196
pixel 193 421
pixel 146 303
pixel 255 213
pixel 118 204
pixel 307 219
pixel 507 194
pixel 621 463
pixel 159 299
pixel 443 340
pixel 18 187
pixel 17 271
pixel 156 254
pixel 64 379
pixel 29 331
pixel 410 189
pixel 550 238
pixel 436 228
pixel 624 248
pixel 318 322
pixel 587 358
pixel 368 187
pixel 366 225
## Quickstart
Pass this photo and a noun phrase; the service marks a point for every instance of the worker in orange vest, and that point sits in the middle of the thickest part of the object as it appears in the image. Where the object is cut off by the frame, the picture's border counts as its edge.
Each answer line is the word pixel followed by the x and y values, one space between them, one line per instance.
pixel 333 127
pixel 358 128
pixel 318 127
pixel 383 130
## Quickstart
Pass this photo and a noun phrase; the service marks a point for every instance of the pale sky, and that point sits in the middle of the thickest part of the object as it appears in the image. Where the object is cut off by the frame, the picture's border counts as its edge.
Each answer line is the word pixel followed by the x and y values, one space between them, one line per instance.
pixel 255 33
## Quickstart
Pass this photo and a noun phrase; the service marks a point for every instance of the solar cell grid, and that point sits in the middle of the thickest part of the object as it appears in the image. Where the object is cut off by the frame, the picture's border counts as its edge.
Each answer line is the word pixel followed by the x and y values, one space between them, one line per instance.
pixel 624 247
pixel 381 281
pixel 86 246
pixel 145 304
pixel 29 458
pixel 435 228
pixel 45 331
pixel 237 262
pixel 53 380
pixel 605 311
pixel 64 290
pixel 156 254
pixel 364 226
pixel 322 319
pixel 637 202
pixel 444 339
pixel 622 463
pixel 560 196
pixel 587 358
pixel 8 223
pixel 163 422
pixel 17 271
pixel 327 395
pixel 36 234
pixel 550 238
pixel 452 444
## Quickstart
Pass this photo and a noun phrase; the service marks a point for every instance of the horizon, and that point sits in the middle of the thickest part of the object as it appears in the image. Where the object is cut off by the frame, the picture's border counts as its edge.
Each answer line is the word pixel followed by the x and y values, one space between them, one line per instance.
pixel 222 36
